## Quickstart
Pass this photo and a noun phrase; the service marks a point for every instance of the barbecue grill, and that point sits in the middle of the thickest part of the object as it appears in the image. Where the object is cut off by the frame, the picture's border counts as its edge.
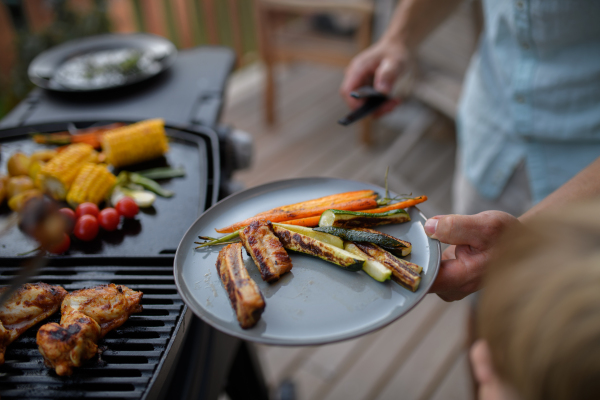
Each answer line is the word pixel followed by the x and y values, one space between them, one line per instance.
pixel 134 357
pixel 165 351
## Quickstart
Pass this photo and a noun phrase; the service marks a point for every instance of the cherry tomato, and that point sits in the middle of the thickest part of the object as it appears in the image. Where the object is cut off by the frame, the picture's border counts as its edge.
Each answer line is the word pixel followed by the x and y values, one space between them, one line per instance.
pixel 87 208
pixel 109 219
pixel 62 246
pixel 127 207
pixel 70 218
pixel 86 228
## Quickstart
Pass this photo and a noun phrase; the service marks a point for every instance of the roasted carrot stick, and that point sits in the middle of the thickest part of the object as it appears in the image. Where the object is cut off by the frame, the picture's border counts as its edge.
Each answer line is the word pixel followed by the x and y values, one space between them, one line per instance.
pixel 278 216
pixel 396 206
pixel 314 221
pixel 327 201
pixel 91 136
pixel 308 221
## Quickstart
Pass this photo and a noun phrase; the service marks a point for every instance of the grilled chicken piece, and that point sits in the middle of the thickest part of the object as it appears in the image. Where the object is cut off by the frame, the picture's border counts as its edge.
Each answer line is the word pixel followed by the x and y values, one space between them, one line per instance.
pixel 87 316
pixel 266 250
pixel 246 299
pixel 30 304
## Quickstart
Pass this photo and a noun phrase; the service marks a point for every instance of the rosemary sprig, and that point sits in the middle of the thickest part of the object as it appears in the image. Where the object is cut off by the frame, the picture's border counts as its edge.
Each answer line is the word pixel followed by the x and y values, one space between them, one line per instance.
pixel 210 241
pixel 387 199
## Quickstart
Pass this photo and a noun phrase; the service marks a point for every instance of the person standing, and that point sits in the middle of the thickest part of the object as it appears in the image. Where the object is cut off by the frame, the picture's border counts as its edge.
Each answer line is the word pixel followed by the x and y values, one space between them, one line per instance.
pixel 528 123
pixel 529 116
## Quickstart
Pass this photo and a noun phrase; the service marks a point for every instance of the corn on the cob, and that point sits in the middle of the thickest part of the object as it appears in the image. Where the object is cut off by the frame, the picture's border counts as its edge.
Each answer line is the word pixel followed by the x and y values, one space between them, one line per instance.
pixel 135 143
pixel 58 174
pixel 92 184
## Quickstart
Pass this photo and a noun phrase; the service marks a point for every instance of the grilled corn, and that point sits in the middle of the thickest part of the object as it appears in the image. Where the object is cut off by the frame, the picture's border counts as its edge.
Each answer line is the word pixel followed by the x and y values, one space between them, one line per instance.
pixel 135 143
pixel 58 174
pixel 92 184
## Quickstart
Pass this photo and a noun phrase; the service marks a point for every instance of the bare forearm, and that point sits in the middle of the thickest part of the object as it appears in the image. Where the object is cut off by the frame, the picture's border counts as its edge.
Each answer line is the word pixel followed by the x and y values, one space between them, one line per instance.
pixel 414 20
pixel 585 185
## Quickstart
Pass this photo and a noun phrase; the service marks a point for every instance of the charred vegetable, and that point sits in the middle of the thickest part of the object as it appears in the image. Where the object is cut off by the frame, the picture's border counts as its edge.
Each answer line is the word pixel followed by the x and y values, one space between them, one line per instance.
pixel 321 236
pixel 350 219
pixel 372 267
pixel 307 245
pixel 403 272
pixel 398 246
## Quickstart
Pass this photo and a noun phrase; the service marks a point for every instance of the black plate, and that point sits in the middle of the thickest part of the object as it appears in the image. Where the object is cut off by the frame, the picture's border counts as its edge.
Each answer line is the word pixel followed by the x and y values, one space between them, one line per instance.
pixel 123 59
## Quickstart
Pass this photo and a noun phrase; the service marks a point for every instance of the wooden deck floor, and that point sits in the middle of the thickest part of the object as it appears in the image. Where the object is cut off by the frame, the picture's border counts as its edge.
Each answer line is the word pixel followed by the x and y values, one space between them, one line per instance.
pixel 422 355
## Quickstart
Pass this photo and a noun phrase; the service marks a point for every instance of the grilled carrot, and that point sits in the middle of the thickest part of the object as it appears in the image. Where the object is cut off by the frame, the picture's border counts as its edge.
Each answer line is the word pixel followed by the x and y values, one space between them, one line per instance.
pixel 93 139
pixel 396 206
pixel 327 201
pixel 279 216
pixel 308 221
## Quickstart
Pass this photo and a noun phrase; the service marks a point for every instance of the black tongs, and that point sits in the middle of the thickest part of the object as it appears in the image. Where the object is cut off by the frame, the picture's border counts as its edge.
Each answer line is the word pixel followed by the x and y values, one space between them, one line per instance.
pixel 374 100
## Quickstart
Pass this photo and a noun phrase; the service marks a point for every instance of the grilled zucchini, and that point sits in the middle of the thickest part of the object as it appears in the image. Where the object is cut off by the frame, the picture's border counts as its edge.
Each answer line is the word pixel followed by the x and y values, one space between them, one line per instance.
pixel 307 245
pixel 350 219
pixel 403 272
pixel 397 246
pixel 321 236
pixel 372 267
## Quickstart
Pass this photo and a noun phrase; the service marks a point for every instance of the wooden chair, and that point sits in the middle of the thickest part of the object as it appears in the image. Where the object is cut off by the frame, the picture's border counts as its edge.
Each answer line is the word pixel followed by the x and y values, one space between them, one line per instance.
pixel 285 39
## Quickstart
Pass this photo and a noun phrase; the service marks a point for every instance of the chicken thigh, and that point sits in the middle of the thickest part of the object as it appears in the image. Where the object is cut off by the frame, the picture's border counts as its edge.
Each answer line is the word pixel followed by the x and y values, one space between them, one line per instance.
pixel 30 304
pixel 87 316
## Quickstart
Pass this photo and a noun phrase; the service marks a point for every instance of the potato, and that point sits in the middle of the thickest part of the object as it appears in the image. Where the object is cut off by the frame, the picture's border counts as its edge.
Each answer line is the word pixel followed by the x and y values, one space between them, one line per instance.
pixel 43 155
pixel 18 184
pixel 18 164
pixel 34 169
pixel 3 187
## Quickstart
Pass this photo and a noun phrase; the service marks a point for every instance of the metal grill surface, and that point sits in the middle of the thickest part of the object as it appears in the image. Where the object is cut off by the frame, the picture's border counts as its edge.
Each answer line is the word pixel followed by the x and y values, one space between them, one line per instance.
pixel 130 355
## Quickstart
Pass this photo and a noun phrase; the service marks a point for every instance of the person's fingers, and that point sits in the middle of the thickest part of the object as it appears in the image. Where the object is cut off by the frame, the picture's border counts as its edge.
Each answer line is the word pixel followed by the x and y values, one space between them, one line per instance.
pixel 450 277
pixel 449 253
pixel 386 74
pixel 359 73
pixel 479 231
pixel 353 103
pixel 481 360
pixel 457 278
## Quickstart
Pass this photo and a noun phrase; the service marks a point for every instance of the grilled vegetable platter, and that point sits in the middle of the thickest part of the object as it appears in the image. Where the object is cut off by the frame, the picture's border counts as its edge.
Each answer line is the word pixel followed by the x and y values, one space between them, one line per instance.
pixel 105 183
pixel 334 286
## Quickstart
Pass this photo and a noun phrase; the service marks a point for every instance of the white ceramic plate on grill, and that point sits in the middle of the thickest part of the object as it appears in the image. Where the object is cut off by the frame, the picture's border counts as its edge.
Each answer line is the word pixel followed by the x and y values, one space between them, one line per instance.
pixel 317 302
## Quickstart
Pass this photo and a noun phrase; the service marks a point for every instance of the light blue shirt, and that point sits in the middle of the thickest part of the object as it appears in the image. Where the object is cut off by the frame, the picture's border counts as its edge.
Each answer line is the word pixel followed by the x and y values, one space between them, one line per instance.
pixel 532 93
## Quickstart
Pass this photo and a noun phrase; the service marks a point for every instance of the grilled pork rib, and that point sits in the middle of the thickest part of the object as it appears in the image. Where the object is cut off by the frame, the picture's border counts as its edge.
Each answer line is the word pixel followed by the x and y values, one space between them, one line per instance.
pixel 30 304
pixel 87 316
pixel 245 297
pixel 266 250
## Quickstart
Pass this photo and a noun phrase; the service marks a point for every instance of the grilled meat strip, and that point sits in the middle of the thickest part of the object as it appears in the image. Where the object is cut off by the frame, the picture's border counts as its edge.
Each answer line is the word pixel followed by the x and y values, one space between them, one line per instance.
pixel 403 272
pixel 30 304
pixel 87 316
pixel 245 297
pixel 266 250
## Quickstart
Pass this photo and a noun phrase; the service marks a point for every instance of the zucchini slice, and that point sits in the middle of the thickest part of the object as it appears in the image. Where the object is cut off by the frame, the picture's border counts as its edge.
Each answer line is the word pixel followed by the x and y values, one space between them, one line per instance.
pixel 321 236
pixel 398 246
pixel 372 267
pixel 307 245
pixel 403 272
pixel 351 219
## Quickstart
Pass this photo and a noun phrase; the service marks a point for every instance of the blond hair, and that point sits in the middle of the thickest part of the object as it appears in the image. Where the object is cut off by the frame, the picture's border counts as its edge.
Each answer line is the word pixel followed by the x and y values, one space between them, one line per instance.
pixel 540 309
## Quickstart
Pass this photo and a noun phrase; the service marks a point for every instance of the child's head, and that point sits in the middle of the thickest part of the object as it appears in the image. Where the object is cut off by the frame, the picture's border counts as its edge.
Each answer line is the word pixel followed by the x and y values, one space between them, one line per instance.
pixel 539 315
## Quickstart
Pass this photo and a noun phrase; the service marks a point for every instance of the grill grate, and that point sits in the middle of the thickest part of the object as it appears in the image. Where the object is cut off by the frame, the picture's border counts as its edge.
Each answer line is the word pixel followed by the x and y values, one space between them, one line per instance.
pixel 130 354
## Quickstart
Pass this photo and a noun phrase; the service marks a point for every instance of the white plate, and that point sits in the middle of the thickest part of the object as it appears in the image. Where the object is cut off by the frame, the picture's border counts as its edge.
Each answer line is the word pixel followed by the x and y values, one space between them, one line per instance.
pixel 317 302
